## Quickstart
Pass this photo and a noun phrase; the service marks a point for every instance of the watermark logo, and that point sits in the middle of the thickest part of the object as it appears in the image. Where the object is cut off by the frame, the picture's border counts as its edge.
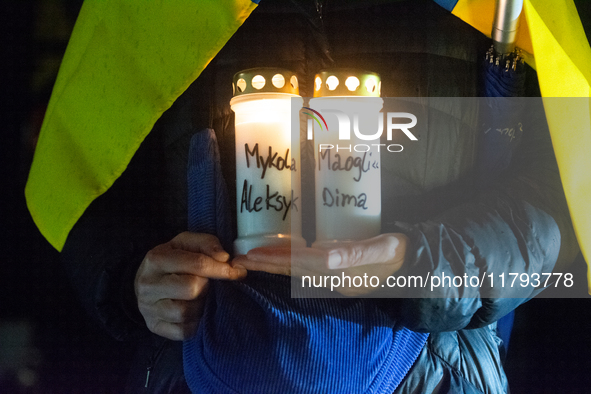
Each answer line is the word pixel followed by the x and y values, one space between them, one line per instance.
pixel 316 119
pixel 402 121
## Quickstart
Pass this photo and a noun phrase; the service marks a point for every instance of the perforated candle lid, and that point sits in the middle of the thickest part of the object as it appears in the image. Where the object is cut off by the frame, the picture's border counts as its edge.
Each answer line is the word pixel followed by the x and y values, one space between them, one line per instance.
pixel 265 80
pixel 347 82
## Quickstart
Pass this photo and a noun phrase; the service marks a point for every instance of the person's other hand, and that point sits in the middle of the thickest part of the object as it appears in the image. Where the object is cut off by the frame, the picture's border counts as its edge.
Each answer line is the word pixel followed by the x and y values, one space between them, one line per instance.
pixel 380 256
pixel 172 281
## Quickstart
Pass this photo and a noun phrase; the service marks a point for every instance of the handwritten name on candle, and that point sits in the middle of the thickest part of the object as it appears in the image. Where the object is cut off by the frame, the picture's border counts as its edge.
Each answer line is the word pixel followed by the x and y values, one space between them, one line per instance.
pixel 272 201
pixel 272 159
pixel 360 164
pixel 343 199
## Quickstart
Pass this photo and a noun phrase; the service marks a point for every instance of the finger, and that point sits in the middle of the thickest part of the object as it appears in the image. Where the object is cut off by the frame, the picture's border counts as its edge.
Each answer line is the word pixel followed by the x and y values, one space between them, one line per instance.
pixel 173 286
pixel 270 267
pixel 177 311
pixel 174 331
pixel 179 261
pixel 381 249
pixel 200 243
pixel 311 258
pixel 279 256
pixel 289 270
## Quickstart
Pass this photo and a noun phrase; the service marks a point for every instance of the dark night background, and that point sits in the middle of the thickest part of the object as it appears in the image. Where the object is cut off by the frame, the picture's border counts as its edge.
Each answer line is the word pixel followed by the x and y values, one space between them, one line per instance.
pixel 47 344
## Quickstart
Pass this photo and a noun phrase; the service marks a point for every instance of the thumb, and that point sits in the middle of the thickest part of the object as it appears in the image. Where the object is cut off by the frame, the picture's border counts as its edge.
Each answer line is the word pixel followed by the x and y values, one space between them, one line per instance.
pixel 385 248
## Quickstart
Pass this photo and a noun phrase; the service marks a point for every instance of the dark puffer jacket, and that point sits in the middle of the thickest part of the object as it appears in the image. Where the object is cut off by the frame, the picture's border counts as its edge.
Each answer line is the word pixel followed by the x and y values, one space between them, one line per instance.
pixel 518 223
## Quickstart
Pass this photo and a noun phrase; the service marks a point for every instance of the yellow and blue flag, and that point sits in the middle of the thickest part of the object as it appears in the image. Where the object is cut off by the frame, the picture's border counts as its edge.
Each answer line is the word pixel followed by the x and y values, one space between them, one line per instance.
pixel 127 62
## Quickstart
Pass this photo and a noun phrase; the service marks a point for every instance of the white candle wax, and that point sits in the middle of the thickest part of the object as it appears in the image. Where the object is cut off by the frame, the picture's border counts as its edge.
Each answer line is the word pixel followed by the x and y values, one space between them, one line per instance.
pixel 347 174
pixel 268 200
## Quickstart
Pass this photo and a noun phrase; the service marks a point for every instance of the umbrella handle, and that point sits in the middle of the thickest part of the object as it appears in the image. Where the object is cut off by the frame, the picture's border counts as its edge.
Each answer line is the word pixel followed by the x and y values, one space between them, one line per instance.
pixel 506 24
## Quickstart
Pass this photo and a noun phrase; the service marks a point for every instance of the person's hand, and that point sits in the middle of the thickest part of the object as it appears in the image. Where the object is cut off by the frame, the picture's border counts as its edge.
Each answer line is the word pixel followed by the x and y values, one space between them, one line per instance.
pixel 380 256
pixel 171 282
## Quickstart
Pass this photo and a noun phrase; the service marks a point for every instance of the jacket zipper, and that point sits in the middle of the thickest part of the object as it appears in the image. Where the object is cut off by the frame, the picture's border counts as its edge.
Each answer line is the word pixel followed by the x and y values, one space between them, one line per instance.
pixel 152 362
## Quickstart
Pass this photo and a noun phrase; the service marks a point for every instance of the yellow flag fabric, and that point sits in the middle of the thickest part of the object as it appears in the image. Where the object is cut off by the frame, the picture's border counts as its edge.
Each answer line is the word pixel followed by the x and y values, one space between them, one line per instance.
pixel 551 30
pixel 564 70
pixel 126 63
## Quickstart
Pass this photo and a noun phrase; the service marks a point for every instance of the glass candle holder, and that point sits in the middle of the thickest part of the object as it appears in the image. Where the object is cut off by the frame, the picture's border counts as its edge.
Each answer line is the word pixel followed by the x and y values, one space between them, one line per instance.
pixel 347 154
pixel 267 165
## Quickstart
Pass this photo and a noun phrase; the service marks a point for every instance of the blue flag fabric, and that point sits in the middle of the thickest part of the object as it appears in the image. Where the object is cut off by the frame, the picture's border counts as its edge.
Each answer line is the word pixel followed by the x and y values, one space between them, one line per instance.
pixel 447 4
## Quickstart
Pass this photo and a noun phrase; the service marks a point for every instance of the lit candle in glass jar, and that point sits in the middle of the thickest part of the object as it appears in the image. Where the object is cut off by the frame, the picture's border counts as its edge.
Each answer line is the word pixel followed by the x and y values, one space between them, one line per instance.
pixel 347 155
pixel 267 165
